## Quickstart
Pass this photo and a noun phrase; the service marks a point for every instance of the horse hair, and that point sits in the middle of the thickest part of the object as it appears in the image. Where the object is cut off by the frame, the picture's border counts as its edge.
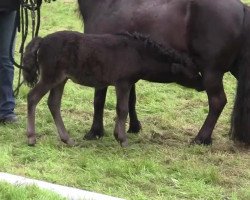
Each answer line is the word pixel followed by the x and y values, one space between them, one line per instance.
pixel 161 52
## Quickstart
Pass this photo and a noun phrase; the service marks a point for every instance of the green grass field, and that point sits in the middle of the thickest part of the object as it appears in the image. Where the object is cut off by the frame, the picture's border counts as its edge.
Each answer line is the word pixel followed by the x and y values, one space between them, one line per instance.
pixel 158 164
pixel 25 193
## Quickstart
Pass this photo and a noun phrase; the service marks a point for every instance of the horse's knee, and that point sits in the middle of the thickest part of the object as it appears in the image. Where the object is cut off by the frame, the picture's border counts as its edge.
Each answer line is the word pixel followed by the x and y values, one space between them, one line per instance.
pixel 122 109
pixel 215 91
pixel 31 99
pixel 100 97
pixel 218 102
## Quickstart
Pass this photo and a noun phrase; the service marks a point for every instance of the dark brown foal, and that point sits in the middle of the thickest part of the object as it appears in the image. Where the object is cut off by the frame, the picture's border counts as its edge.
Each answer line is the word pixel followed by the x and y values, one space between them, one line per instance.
pixel 99 61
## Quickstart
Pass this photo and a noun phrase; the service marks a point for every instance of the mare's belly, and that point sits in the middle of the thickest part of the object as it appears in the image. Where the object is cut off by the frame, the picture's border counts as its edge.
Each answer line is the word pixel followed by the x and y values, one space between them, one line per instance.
pixel 163 20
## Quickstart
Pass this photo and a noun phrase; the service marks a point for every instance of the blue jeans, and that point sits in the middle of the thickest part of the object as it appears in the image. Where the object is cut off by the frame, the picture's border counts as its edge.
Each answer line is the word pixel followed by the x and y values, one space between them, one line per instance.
pixel 7 100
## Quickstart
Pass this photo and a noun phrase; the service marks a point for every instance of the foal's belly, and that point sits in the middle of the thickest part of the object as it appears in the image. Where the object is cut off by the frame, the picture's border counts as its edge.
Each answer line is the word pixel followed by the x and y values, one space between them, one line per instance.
pixel 89 80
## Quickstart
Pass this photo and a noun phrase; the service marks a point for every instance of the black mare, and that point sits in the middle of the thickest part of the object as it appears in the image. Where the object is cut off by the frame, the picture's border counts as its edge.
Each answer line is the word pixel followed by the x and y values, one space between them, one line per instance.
pixel 98 61
pixel 215 33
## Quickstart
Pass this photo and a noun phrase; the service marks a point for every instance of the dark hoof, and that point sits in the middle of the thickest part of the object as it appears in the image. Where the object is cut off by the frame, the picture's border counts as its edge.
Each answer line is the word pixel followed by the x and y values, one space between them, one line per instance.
pixel 198 141
pixel 94 135
pixel 135 127
pixel 31 141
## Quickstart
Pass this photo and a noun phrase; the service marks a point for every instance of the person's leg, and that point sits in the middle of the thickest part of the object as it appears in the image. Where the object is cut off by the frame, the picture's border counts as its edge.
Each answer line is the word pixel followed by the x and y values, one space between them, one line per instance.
pixel 7 100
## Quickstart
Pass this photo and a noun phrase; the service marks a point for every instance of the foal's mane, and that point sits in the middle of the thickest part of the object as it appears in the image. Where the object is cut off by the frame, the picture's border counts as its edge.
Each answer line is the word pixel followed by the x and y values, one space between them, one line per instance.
pixel 160 52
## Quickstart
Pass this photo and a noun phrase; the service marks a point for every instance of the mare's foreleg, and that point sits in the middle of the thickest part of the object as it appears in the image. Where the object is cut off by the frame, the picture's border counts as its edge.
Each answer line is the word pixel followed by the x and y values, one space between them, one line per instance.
pixel 54 104
pixel 122 93
pixel 217 100
pixel 134 125
pixel 34 96
pixel 97 130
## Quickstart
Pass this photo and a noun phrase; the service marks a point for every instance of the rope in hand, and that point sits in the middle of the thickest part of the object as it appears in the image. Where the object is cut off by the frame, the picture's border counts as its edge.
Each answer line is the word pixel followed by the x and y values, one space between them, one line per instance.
pixel 22 24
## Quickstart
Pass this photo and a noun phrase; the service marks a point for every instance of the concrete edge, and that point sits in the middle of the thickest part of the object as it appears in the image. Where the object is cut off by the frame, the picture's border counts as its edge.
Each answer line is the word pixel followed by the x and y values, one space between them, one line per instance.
pixel 67 192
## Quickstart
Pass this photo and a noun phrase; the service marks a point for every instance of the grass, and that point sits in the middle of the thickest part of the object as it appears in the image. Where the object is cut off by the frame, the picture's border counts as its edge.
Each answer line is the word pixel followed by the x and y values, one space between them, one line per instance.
pixel 159 164
pixel 9 192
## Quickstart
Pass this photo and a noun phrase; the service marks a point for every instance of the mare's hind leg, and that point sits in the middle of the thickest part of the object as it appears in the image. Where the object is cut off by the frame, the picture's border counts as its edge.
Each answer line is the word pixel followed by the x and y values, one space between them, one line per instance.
pixel 134 125
pixel 54 104
pixel 97 130
pixel 217 100
pixel 34 96
pixel 122 93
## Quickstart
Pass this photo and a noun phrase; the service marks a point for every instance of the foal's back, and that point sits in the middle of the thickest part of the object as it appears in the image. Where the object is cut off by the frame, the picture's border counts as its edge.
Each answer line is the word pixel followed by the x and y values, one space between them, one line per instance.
pixel 91 60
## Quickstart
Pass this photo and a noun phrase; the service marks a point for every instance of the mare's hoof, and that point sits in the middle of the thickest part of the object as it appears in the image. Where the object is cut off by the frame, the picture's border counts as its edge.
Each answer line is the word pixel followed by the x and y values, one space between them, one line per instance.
pixel 135 127
pixel 93 135
pixel 31 141
pixel 200 141
pixel 124 143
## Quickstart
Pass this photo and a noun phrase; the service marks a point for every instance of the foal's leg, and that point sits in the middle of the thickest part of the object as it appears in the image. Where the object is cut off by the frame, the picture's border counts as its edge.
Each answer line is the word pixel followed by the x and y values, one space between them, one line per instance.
pixel 134 125
pixel 54 104
pixel 217 100
pixel 122 93
pixel 97 130
pixel 34 96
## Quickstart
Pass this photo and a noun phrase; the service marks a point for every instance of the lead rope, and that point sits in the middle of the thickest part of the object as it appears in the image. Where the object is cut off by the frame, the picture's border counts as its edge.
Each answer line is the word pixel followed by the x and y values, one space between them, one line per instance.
pixel 22 24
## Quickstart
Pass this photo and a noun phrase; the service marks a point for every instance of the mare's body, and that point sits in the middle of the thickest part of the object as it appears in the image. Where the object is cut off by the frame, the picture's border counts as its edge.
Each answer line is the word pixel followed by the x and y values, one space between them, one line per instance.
pixel 99 61
pixel 214 33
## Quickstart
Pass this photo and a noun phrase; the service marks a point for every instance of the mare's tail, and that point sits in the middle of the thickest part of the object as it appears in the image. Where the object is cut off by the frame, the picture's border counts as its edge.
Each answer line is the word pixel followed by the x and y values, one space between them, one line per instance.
pixel 31 68
pixel 240 122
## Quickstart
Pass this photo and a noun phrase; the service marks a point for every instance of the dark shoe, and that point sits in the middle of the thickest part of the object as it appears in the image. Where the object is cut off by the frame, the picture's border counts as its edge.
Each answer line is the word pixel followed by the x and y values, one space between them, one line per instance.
pixel 9 120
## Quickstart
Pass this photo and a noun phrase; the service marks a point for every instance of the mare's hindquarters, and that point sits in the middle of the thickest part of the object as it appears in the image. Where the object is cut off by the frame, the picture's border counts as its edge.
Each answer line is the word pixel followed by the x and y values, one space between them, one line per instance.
pixel 215 37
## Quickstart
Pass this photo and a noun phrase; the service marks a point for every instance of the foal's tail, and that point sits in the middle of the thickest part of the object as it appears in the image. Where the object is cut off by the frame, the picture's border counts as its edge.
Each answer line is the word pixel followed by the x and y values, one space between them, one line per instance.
pixel 31 68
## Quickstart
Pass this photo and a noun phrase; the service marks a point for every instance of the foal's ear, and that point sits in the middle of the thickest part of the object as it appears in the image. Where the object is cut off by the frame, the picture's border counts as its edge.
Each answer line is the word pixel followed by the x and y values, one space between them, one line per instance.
pixel 176 68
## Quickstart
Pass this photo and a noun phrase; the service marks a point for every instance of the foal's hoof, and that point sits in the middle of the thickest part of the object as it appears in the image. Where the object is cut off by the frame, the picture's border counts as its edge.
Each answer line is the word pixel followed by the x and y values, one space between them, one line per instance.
pixel 122 140
pixel 124 143
pixel 135 127
pixel 69 142
pixel 200 141
pixel 93 135
pixel 31 141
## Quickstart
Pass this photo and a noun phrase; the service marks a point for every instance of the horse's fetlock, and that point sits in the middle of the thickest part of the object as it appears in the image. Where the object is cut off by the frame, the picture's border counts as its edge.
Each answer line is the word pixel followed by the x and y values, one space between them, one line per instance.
pixel 134 127
pixel 31 140
pixel 199 140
